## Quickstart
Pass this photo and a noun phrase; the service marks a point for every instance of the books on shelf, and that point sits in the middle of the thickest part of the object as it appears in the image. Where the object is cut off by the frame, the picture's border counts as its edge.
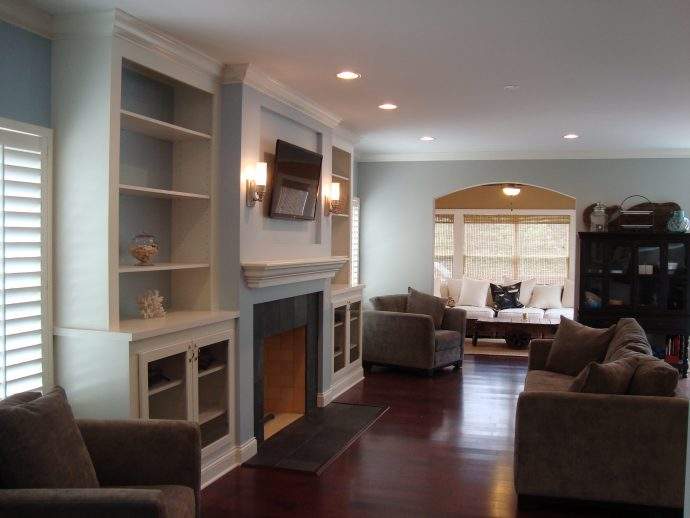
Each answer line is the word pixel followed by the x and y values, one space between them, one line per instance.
pixel 674 349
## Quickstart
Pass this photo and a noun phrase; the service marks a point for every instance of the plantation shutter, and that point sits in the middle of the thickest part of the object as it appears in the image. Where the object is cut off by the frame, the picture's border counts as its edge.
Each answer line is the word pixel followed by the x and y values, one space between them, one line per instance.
pixel 354 243
pixel 443 246
pixel 23 158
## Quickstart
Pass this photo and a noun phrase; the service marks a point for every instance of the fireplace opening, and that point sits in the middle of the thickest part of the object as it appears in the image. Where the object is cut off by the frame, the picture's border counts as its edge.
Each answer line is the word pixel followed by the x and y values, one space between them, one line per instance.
pixel 284 359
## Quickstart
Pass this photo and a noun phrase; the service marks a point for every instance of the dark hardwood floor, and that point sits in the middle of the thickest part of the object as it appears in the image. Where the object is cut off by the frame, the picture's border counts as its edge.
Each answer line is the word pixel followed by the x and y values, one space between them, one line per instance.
pixel 445 448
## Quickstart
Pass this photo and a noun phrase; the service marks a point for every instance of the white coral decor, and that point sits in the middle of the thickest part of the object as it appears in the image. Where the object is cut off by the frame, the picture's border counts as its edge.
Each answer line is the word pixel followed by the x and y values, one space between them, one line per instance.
pixel 151 304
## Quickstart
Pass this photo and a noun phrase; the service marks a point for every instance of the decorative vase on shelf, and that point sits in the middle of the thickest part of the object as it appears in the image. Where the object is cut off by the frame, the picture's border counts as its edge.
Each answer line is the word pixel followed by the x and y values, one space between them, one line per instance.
pixel 598 218
pixel 678 222
pixel 144 247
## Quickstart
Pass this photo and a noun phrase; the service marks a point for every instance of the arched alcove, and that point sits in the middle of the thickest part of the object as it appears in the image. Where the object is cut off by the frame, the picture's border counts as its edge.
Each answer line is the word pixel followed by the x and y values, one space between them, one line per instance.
pixel 490 196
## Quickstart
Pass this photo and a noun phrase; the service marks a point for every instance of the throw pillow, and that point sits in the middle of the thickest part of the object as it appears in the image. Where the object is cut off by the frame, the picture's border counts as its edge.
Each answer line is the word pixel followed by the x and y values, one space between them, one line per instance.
pixel 473 292
pixel 546 296
pixel 526 288
pixel 454 287
pixel 606 378
pixel 654 377
pixel 576 345
pixel 629 339
pixel 506 297
pixel 423 304
pixel 41 446
pixel 568 298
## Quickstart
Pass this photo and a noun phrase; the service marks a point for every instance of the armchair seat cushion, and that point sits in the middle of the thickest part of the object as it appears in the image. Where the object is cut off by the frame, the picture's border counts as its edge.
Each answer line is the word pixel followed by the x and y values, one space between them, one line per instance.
pixel 178 501
pixel 445 340
pixel 547 381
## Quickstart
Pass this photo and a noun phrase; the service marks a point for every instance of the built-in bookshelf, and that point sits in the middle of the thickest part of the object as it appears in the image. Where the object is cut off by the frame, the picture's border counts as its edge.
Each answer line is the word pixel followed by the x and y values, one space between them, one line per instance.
pixel 340 221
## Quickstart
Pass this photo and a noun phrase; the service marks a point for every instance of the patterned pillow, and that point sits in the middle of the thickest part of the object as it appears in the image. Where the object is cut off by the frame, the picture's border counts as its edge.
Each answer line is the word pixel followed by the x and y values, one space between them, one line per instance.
pixel 506 297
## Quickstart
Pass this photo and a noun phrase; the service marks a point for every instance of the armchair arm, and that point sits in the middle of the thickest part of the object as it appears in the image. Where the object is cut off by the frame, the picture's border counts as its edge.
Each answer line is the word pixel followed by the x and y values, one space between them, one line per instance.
pixel 143 453
pixel 403 339
pixel 68 503
pixel 538 353
pixel 455 319
pixel 606 447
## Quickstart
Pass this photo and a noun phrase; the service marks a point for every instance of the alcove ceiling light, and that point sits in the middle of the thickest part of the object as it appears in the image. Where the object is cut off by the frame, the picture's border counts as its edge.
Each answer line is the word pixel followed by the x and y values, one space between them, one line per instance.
pixel 427 138
pixel 348 75
pixel 388 106
pixel 571 136
pixel 511 190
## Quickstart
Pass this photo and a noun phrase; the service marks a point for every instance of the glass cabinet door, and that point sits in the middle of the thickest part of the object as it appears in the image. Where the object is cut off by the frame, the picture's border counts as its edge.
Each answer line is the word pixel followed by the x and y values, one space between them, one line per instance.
pixel 355 326
pixel 339 337
pixel 649 283
pixel 164 383
pixel 595 258
pixel 677 276
pixel 211 364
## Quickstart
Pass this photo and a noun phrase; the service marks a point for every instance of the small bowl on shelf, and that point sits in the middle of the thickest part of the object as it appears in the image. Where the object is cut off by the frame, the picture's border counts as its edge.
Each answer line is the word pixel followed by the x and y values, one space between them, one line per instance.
pixel 144 247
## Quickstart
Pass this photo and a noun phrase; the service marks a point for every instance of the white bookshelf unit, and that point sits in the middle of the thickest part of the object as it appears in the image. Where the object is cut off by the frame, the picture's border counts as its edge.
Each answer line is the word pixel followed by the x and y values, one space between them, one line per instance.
pixel 137 129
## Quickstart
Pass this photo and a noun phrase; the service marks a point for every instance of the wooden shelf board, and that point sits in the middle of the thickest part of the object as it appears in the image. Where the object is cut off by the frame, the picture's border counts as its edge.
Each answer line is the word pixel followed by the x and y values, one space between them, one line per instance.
pixel 140 328
pixel 354 346
pixel 339 215
pixel 126 268
pixel 215 368
pixel 211 414
pixel 135 190
pixel 161 387
pixel 352 319
pixel 158 129
pixel 340 177
pixel 338 324
pixel 337 353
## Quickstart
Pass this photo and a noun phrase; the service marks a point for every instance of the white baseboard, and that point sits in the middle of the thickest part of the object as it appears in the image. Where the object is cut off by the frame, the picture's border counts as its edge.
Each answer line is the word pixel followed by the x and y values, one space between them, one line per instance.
pixel 221 460
pixel 341 385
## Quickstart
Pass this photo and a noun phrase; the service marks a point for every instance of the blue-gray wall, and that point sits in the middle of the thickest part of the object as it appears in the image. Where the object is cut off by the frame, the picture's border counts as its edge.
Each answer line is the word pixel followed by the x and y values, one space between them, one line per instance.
pixel 398 203
pixel 24 76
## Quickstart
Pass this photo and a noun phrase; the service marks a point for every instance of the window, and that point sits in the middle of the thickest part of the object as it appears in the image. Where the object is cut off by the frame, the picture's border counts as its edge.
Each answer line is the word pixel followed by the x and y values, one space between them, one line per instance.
pixel 354 243
pixel 25 319
pixel 443 246
pixel 517 246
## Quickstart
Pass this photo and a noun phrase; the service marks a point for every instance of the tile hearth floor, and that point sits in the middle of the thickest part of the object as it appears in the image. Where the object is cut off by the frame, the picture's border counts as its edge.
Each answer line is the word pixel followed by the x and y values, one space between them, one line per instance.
pixel 444 448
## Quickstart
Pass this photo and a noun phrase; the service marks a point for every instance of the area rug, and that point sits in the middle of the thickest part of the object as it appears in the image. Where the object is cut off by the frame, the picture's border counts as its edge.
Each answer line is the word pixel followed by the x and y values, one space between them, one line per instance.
pixel 312 442
pixel 493 348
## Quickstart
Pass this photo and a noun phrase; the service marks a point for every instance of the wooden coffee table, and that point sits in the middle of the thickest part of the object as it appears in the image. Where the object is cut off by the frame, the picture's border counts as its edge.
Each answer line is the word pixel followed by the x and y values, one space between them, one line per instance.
pixel 516 331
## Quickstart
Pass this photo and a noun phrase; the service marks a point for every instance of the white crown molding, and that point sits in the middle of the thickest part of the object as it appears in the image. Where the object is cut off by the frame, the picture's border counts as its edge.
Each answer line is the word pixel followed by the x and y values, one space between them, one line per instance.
pixel 131 29
pixel 26 16
pixel 509 155
pixel 250 75
pixel 346 135
pixel 261 274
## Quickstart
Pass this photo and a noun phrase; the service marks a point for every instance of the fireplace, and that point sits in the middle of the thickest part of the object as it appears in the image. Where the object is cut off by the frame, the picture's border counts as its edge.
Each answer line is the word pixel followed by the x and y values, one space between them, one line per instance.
pixel 287 333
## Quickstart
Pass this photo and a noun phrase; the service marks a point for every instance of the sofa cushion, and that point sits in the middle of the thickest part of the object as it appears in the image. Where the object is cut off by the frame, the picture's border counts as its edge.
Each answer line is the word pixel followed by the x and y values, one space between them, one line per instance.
pixel 451 288
pixel 445 339
pixel 478 311
pixel 575 345
pixel 397 303
pixel 526 288
pixel 653 377
pixel 41 447
pixel 517 312
pixel 546 296
pixel 505 297
pixel 557 313
pixel 629 338
pixel 606 378
pixel 420 303
pixel 546 381
pixel 20 399
pixel 474 292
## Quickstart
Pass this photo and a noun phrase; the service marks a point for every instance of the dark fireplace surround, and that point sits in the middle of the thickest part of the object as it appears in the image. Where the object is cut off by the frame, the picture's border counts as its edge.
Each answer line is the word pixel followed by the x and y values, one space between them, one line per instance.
pixel 278 316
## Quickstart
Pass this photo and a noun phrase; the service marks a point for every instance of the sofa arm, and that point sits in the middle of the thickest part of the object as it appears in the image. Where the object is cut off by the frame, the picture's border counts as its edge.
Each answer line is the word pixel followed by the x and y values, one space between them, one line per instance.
pixel 69 503
pixel 144 453
pixel 538 353
pixel 617 448
pixel 403 339
pixel 455 319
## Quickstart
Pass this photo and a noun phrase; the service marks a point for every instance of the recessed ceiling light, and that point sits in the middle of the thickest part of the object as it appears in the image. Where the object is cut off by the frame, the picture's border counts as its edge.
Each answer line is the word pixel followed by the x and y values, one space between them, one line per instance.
pixel 511 88
pixel 388 106
pixel 427 138
pixel 348 75
pixel 571 136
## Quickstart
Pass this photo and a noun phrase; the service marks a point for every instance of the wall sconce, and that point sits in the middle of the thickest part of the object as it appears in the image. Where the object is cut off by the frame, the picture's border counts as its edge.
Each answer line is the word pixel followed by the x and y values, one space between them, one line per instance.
pixel 511 190
pixel 256 184
pixel 334 199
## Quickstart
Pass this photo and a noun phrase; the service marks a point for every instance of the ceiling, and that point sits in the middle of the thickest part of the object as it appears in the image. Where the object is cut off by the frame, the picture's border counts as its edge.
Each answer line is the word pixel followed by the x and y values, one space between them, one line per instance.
pixel 616 72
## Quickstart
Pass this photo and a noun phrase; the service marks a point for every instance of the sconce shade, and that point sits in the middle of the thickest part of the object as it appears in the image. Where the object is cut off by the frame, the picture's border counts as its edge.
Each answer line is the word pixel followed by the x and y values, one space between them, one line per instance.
pixel 335 191
pixel 261 173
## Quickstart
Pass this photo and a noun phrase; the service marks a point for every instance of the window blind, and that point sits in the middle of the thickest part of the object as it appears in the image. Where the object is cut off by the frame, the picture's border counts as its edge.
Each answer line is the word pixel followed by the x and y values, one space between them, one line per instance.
pixel 354 243
pixel 22 273
pixel 443 246
pixel 517 246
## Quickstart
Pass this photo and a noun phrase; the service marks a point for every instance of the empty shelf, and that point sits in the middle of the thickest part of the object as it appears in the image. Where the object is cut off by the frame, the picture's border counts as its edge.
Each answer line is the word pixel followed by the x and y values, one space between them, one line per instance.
pixel 158 129
pixel 149 192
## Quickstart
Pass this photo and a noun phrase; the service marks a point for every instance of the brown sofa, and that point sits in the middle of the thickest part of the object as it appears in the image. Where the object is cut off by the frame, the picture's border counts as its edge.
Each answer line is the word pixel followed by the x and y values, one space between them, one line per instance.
pixel 145 469
pixel 597 447
pixel 392 336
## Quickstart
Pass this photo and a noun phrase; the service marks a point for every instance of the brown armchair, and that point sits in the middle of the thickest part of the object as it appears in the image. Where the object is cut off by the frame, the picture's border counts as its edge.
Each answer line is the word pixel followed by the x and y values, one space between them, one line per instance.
pixel 146 469
pixel 394 337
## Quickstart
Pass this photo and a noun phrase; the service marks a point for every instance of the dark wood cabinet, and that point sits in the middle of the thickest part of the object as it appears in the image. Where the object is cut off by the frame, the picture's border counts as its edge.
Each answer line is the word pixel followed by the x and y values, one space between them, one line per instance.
pixel 639 275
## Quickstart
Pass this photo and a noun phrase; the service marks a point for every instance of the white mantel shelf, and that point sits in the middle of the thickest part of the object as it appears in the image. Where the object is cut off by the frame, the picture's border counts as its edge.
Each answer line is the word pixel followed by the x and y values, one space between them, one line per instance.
pixel 261 274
